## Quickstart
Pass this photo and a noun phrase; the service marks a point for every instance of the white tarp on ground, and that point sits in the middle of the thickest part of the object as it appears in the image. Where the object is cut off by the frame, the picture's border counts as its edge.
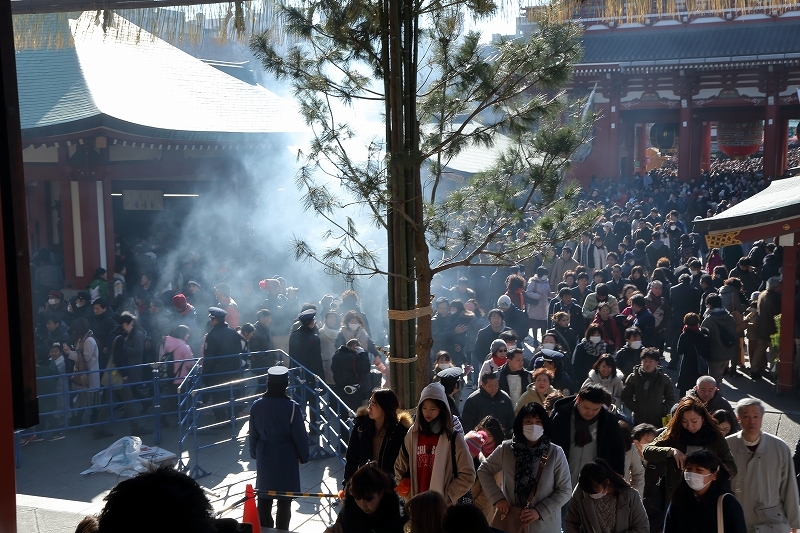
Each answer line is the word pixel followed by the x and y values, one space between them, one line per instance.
pixel 128 457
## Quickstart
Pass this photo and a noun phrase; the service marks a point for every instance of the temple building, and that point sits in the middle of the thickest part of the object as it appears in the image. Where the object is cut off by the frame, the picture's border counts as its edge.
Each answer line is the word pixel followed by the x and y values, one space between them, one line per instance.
pixel 666 76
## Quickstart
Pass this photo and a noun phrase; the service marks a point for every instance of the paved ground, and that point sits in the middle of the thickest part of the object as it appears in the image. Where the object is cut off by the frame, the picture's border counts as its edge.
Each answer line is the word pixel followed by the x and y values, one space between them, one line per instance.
pixel 53 496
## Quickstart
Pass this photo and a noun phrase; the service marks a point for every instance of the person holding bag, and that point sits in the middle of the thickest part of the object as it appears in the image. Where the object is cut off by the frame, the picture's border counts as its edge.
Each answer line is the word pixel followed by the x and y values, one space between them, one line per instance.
pixel 535 476
pixel 703 502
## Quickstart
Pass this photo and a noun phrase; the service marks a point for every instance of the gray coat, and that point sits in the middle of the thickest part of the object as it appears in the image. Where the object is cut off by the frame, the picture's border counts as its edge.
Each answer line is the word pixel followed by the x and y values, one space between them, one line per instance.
pixel 631 516
pixel 765 484
pixel 553 491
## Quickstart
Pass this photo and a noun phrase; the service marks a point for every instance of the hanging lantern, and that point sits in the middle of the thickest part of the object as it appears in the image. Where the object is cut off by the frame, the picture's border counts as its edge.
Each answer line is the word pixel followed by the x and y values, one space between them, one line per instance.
pixel 664 135
pixel 740 139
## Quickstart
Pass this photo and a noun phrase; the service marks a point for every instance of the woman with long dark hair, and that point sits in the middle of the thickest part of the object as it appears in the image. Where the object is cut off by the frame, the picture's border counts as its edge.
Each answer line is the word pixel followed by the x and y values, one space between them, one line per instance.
pixel 370 504
pixel 604 502
pixel 535 474
pixel 587 352
pixel 691 428
pixel 705 487
pixel 380 427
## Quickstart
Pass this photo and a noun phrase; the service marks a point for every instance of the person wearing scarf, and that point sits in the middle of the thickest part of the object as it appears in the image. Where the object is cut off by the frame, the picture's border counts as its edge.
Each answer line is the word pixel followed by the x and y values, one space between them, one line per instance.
pixel 518 459
pixel 498 356
pixel 587 352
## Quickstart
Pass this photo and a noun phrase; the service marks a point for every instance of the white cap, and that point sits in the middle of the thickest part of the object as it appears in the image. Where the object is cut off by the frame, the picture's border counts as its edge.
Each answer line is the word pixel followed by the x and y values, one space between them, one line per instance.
pixel 277 371
pixel 504 301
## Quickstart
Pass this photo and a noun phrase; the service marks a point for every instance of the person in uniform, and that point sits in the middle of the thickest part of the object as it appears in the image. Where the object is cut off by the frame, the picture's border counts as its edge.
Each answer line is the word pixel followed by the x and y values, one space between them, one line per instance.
pixel 306 349
pixel 218 364
pixel 279 444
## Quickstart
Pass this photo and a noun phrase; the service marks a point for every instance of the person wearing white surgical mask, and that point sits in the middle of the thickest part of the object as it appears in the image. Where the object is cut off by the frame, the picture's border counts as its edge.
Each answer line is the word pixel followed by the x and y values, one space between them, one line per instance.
pixel 604 501
pixel 353 328
pixel 535 481
pixel 693 506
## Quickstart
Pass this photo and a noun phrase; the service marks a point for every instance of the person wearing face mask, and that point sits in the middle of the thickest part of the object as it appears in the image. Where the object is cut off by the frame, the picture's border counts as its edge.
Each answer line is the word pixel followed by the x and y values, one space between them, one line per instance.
pixel 353 328
pixel 79 307
pixel 535 475
pixel 603 501
pixel 587 352
pixel 629 355
pixel 648 390
pixel 370 504
pixel 694 505
pixel 691 429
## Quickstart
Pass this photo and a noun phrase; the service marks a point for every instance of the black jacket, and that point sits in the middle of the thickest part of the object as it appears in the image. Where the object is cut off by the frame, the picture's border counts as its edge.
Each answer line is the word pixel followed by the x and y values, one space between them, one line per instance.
pixel 351 368
pixel 524 375
pixel 483 342
pixel 627 358
pixel 305 348
pixel 389 517
pixel 691 345
pixel 480 404
pixel 102 327
pixel 221 341
pixel 260 342
pixel 609 438
pixel 685 298
pixel 359 449
pixel 688 514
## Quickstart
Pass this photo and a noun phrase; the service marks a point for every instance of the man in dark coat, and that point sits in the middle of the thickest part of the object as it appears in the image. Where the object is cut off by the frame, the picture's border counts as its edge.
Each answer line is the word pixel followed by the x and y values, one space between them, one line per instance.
pixel 483 341
pixel 644 320
pixel 488 400
pixel 260 344
pixel 684 298
pixel 219 363
pixel 103 325
pixel 279 444
pixel 305 348
pixel 586 430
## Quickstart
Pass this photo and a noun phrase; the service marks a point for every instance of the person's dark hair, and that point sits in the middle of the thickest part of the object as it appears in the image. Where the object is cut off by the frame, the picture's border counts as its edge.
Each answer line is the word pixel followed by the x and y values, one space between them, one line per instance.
pixel 102 302
pixel 126 318
pixel 164 488
pixel 444 417
pixel 368 481
pixel 349 316
pixel 691 319
pixel 650 353
pixel 597 473
pixel 530 409
pixel 465 518
pixel 566 249
pixel 582 275
pixel 607 359
pixel 516 351
pixel 493 426
pixel 592 392
pixel 388 402
pixel 640 430
pixel 636 270
pixel 426 510
pixel 720 271
pixel 247 328
pixel 639 301
pixel 708 432
pixel 721 415
pixel 514 282
pixel 592 329
pixel 263 313
pixel 713 300
pixel 497 312
pixel 601 289
pixel 541 271
pixel 79 328
pixel 442 300
pixel 565 291
pixel 276 388
pixel 625 429
pixel 630 332
pixel 734 282
pixel 87 525
pixel 485 378
pixel 706 280
pixel 180 331
pixel 507 336
pixel 158 304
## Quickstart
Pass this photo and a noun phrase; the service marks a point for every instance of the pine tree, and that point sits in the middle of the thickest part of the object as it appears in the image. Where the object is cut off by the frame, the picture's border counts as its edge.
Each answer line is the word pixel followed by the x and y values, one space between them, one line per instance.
pixel 441 93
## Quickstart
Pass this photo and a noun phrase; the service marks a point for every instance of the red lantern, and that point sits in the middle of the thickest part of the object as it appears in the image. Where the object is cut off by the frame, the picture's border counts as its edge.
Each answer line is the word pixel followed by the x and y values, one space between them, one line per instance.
pixel 740 139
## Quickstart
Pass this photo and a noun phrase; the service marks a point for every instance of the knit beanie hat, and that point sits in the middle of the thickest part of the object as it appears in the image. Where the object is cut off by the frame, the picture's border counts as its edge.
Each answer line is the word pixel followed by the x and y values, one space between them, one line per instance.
pixel 475 441
pixel 496 345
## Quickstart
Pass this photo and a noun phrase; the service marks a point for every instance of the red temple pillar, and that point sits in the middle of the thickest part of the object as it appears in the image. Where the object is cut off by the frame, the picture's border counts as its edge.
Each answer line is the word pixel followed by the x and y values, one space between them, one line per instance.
pixel 772 142
pixel 705 147
pixel 641 148
pixel 783 147
pixel 685 133
pixel 788 272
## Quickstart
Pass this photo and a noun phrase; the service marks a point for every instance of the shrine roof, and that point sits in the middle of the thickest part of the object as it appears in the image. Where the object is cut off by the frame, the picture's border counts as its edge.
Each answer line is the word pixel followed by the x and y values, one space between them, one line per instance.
pixel 691 44
pixel 127 80
pixel 773 207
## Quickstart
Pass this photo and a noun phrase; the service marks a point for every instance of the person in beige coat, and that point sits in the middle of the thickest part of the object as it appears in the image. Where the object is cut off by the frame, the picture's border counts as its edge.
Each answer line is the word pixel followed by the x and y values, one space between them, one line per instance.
pixel 765 484
pixel 426 459
pixel 604 501
pixel 518 461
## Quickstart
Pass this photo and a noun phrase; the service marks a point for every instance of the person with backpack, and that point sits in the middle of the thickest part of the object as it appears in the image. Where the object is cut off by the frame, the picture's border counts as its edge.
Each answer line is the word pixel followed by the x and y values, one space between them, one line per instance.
pixel 350 368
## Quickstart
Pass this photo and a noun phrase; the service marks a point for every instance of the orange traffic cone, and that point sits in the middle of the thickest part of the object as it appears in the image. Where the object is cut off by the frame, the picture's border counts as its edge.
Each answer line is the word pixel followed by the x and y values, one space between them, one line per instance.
pixel 250 510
